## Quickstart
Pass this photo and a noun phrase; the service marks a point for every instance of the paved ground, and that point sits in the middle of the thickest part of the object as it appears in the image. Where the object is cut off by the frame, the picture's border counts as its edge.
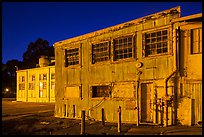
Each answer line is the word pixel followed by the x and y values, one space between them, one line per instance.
pixel 41 121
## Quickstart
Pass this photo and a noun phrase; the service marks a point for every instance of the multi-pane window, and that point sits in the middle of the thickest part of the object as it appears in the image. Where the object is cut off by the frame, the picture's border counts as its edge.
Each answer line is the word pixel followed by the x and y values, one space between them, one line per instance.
pixel 71 57
pixel 196 41
pixel 100 52
pixel 22 86
pixel 155 43
pixel 52 75
pixel 123 48
pixel 101 91
pixel 33 78
pixel 42 76
pixel 31 86
pixel 21 83
pixel 52 80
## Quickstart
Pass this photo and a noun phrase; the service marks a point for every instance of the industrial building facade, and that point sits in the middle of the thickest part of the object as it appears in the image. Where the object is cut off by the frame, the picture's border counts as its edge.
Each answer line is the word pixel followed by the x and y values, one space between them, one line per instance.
pixel 150 67
pixel 36 84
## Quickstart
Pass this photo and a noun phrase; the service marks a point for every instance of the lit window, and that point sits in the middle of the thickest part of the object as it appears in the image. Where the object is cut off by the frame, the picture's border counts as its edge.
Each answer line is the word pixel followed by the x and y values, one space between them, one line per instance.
pixel 41 85
pixel 72 57
pixel 101 91
pixel 44 85
pixel 196 41
pixel 21 86
pixel 155 43
pixel 100 52
pixel 123 48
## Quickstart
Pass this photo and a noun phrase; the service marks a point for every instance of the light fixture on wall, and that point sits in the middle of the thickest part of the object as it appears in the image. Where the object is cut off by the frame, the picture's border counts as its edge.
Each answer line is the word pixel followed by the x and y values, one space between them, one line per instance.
pixel 139 64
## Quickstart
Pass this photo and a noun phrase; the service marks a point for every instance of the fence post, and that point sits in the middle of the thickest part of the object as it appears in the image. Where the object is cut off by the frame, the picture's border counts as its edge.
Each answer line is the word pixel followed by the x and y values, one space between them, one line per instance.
pixel 119 119
pixel 82 122
pixel 102 117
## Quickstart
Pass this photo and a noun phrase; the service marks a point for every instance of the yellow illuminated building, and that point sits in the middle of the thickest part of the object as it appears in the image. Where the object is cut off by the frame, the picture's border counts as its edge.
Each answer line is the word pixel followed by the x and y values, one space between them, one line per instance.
pixel 37 84
pixel 151 67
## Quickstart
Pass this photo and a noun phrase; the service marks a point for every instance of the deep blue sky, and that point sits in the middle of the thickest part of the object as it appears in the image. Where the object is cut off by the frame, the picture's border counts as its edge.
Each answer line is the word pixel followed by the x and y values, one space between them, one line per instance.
pixel 25 22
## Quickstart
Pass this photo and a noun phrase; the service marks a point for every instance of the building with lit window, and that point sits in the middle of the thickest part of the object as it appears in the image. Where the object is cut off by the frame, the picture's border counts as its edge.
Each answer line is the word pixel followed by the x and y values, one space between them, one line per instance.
pixel 151 67
pixel 37 84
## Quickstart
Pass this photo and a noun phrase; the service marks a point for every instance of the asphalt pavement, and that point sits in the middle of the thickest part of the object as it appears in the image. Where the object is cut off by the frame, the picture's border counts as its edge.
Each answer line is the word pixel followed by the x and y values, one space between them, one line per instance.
pixel 42 114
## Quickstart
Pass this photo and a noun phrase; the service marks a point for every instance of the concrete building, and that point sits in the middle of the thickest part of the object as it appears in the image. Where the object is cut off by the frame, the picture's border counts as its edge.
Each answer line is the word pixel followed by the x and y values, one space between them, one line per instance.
pixel 150 67
pixel 37 84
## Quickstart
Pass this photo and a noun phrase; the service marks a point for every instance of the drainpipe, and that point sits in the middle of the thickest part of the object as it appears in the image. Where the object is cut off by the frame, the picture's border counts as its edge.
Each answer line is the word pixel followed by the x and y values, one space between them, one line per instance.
pixel 137 102
pixel 176 45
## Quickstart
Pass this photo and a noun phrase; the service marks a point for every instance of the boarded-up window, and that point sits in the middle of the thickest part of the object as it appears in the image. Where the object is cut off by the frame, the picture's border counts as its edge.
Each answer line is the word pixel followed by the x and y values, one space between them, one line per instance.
pixel 124 47
pixel 125 89
pixel 101 91
pixel 155 43
pixel 71 57
pixel 100 52
pixel 196 41
pixel 72 92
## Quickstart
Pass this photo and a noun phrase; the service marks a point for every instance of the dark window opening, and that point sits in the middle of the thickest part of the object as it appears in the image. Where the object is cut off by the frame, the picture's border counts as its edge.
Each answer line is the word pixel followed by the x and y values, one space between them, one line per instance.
pixel 156 43
pixel 100 52
pixel 123 48
pixel 101 91
pixel 71 57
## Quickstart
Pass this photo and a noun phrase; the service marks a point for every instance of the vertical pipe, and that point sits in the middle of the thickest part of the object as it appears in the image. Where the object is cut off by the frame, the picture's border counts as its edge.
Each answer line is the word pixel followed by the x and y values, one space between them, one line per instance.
pixel 137 103
pixel 119 119
pixel 162 113
pixel 102 117
pixel 82 122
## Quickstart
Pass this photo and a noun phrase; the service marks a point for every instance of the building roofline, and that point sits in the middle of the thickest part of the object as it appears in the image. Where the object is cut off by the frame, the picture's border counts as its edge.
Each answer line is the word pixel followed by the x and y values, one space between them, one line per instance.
pixel 199 15
pixel 174 10
pixel 21 70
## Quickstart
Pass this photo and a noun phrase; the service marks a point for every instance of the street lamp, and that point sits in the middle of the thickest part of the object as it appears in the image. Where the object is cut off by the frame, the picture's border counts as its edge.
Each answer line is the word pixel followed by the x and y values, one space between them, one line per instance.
pixel 6 89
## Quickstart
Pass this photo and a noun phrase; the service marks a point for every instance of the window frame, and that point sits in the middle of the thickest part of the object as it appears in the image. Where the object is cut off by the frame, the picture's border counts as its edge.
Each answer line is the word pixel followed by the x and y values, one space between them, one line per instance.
pixel 109 51
pixel 168 40
pixel 100 85
pixel 199 40
pixel 75 46
pixel 133 37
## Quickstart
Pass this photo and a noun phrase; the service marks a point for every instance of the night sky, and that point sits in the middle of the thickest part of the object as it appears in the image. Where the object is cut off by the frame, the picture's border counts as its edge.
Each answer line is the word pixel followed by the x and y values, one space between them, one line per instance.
pixel 25 22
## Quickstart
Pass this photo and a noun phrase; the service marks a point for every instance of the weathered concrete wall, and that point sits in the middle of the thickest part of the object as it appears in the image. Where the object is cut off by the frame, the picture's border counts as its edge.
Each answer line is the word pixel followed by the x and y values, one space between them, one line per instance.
pixel 155 69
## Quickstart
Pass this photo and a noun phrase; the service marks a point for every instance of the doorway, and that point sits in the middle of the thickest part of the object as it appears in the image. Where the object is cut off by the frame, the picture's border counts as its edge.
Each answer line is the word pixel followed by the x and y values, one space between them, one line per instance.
pixel 147 97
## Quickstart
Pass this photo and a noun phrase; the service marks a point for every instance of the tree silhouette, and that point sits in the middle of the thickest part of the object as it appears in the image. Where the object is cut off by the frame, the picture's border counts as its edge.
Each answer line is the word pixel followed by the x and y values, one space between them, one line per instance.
pixel 9 77
pixel 34 51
